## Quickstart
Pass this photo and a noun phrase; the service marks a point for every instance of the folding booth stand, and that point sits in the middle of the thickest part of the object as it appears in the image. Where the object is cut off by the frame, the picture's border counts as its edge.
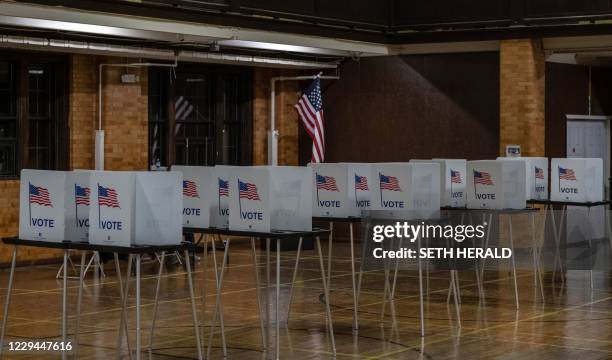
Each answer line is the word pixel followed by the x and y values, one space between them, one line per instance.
pixel 279 236
pixel 558 230
pixel 132 251
pixel 350 221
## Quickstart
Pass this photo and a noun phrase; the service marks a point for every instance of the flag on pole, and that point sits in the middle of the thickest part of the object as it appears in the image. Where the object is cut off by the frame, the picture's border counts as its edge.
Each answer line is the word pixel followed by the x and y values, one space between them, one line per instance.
pixel 190 189
pixel 390 183
pixel 539 173
pixel 483 178
pixel 310 110
pixel 107 197
pixel 39 195
pixel 81 195
pixel 247 191
pixel 361 183
pixel 566 174
pixel 455 176
pixel 326 183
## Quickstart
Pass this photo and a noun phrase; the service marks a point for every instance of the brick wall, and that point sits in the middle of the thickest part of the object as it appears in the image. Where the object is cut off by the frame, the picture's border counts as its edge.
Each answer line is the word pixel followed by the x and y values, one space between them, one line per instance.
pixel 287 93
pixel 521 105
pixel 125 123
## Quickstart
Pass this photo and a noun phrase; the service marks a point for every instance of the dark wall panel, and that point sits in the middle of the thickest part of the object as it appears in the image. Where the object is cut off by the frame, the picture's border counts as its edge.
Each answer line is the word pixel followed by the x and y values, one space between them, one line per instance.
pixel 546 8
pixel 401 108
pixel 408 13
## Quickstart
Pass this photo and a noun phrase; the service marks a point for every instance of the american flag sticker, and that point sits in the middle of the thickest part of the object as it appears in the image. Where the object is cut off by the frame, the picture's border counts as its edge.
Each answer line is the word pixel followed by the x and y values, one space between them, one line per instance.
pixel 390 183
pixel 567 174
pixel 190 189
pixel 326 183
pixel 107 196
pixel 482 178
pixel 39 195
pixel 81 195
pixel 361 183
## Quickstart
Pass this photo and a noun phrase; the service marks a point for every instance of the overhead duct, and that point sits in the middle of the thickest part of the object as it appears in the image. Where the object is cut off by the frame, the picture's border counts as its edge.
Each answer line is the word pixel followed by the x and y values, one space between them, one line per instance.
pixel 42 44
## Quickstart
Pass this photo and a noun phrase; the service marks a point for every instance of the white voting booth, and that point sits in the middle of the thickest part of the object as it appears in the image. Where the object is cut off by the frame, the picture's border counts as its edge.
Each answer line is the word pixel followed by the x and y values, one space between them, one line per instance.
pixel 536 176
pixel 266 198
pixel 77 200
pixel 199 194
pixel 452 181
pixel 340 190
pixel 135 208
pixel 576 179
pixel 221 190
pixel 41 205
pixel 496 184
pixel 398 187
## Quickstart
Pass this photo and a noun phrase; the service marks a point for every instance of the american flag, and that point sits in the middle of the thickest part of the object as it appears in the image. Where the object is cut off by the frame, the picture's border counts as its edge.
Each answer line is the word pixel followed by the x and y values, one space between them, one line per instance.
pixel 39 195
pixel 107 197
pixel 361 183
pixel 81 195
pixel 539 173
pixel 223 187
pixel 566 174
pixel 326 183
pixel 455 176
pixel 389 183
pixel 483 178
pixel 190 189
pixel 247 191
pixel 310 110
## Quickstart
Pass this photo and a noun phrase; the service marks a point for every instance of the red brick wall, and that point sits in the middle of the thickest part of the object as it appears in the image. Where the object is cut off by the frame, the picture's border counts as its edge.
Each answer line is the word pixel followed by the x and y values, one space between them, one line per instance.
pixel 287 93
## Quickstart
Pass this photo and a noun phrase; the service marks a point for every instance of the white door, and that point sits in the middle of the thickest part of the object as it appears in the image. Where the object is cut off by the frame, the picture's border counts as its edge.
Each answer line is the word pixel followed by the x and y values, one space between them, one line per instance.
pixel 588 136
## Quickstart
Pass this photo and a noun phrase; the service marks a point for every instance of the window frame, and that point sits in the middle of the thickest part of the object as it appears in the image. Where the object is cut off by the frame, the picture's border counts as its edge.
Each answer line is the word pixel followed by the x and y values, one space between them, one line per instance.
pixel 59 65
pixel 215 74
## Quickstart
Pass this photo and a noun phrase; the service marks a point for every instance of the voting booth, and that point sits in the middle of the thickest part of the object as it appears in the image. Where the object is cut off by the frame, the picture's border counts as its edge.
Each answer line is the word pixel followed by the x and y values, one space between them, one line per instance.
pixel 266 198
pixel 452 181
pixel 536 176
pixel 42 205
pixel 221 190
pixel 200 193
pixel 496 184
pixel 340 190
pixel 135 208
pixel 77 200
pixel 398 187
pixel 577 179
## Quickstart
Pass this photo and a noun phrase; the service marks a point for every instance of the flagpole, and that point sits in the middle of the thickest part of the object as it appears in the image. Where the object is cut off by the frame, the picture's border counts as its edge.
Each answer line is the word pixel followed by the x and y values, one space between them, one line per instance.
pixel 451 194
pixel 380 188
pixel 317 185
pixel 239 202
pixel 99 208
pixel 219 193
pixel 76 207
pixel 559 177
pixel 30 201
pixel 474 181
pixel 355 181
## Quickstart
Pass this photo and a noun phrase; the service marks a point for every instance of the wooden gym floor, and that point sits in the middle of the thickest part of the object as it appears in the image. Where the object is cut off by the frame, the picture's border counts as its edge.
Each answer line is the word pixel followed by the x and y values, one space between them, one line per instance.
pixel 573 323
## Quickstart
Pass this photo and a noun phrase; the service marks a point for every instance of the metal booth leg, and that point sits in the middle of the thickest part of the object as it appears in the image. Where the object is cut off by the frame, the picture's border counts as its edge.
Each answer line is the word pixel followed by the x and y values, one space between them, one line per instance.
pixel 516 296
pixel 156 300
pixel 295 270
pixel 124 323
pixel 78 309
pixel 326 290
pixel 355 304
pixel 65 302
pixel 264 341
pixel 278 299
pixel 194 313
pixel 123 295
pixel 138 344
pixel 218 312
pixel 7 301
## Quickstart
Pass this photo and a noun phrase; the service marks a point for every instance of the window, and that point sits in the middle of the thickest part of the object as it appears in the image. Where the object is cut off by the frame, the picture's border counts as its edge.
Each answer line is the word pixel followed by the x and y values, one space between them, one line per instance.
pixel 8 119
pixel 206 110
pixel 33 108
